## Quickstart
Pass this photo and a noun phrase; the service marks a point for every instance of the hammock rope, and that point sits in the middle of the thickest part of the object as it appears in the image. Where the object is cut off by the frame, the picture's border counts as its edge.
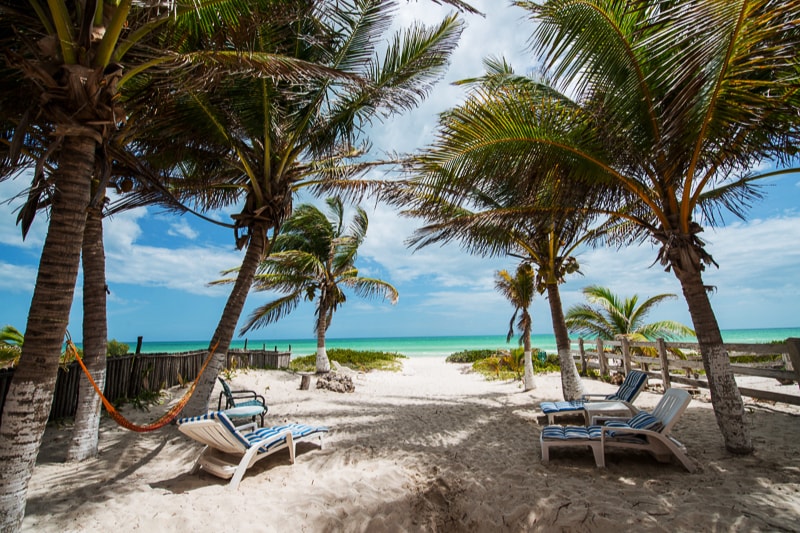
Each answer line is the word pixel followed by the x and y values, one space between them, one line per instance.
pixel 165 419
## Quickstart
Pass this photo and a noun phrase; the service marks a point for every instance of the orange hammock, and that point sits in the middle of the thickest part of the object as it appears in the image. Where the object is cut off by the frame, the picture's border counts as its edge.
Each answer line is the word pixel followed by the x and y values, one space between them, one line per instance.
pixel 168 417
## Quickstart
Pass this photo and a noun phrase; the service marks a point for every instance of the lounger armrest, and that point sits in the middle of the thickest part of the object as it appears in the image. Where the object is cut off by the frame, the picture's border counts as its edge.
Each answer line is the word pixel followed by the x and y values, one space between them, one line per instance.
pixel 247 428
pixel 247 395
pixel 625 431
pixel 593 395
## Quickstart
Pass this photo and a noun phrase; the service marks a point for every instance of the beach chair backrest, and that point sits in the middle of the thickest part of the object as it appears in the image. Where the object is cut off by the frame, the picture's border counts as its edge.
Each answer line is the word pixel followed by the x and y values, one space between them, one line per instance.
pixel 631 387
pixel 228 394
pixel 216 430
pixel 670 407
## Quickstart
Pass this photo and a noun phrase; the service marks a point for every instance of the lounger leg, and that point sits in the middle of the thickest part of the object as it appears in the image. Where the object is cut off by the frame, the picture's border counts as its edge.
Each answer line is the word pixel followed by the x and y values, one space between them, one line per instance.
pixel 244 464
pixel 196 465
pixel 599 456
pixel 545 451
pixel 290 443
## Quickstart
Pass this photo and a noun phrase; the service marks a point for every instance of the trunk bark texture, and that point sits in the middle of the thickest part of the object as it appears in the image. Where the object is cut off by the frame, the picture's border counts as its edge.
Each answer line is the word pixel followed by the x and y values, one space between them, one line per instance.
pixel 571 384
pixel 725 396
pixel 528 383
pixel 322 361
pixel 95 337
pixel 198 403
pixel 30 396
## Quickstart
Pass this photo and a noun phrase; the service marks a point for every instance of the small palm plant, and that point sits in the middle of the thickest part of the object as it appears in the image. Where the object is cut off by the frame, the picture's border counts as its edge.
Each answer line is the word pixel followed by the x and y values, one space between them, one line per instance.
pixel 313 259
pixel 608 317
pixel 11 340
pixel 519 290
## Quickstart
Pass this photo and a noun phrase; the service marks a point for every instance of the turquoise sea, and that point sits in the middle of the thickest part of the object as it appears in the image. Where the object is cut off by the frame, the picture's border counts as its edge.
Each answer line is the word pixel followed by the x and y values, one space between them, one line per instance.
pixel 433 346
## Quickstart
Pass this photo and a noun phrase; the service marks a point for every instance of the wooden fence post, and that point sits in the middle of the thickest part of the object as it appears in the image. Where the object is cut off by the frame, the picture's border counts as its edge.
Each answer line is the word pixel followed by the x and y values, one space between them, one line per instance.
pixel 601 358
pixel 626 355
pixel 793 344
pixel 582 351
pixel 662 354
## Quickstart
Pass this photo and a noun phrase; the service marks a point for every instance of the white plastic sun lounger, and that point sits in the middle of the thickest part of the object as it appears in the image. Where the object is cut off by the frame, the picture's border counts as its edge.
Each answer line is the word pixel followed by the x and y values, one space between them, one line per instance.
pixel 229 451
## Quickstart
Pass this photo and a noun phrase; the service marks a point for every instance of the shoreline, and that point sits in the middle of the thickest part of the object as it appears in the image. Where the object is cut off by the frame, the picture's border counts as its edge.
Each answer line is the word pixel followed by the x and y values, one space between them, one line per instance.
pixel 432 448
pixel 432 346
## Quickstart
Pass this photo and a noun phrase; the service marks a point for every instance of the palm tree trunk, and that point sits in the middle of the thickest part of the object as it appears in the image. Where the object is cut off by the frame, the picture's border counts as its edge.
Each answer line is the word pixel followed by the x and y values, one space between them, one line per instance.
pixel 571 384
pixel 198 403
pixel 30 396
pixel 322 361
pixel 528 383
pixel 95 337
pixel 725 396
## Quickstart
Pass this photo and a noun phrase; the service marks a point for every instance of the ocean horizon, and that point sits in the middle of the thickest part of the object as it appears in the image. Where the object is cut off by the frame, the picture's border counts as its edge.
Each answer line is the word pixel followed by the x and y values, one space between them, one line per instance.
pixel 431 346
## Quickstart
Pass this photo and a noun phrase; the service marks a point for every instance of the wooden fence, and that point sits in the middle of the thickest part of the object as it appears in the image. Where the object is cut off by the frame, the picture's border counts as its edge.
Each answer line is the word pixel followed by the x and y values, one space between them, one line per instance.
pixel 130 375
pixel 606 356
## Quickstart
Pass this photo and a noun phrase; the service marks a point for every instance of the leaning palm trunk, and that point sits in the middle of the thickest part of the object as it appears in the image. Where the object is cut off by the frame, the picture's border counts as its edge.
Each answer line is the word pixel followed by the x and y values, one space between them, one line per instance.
pixel 221 341
pixel 30 396
pixel 571 384
pixel 95 337
pixel 528 383
pixel 322 361
pixel 725 396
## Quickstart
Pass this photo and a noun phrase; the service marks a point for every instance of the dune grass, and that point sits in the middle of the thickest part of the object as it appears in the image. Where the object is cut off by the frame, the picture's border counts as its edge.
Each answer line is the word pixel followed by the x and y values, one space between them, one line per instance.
pixel 361 360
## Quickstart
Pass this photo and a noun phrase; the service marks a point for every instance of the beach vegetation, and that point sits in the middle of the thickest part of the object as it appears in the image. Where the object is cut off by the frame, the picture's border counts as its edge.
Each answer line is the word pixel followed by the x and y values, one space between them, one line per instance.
pixel 62 102
pixel 463 188
pixel 313 259
pixel 359 360
pixel 677 109
pixel 606 316
pixel 470 356
pixel 519 290
pixel 115 348
pixel 505 364
pixel 259 142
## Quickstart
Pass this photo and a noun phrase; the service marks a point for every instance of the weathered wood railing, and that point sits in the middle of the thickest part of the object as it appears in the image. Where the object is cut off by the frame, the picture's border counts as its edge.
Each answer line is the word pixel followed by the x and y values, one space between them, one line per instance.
pixel 128 376
pixel 606 356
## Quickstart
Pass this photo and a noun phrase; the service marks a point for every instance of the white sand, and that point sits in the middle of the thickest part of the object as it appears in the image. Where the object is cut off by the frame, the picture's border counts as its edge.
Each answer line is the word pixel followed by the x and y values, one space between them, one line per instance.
pixel 434 448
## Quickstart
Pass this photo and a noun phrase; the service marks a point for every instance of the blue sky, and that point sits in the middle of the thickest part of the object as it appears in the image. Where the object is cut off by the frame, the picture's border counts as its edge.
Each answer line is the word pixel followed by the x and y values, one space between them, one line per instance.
pixel 158 265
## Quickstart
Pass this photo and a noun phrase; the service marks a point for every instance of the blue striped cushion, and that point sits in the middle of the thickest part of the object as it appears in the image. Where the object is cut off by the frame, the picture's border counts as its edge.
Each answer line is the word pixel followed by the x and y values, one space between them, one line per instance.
pixel 641 420
pixel 571 432
pixel 298 431
pixel 644 420
pixel 557 407
pixel 634 381
pixel 224 420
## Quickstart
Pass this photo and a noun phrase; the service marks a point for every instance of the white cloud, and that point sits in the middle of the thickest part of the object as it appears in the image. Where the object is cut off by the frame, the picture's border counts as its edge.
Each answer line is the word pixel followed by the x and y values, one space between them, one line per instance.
pixel 186 269
pixel 181 228
pixel 17 278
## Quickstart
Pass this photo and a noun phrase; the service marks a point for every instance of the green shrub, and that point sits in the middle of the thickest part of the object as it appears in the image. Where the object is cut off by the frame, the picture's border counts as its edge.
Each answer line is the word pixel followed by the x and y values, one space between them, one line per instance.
pixel 9 355
pixel 114 348
pixel 470 356
pixel 363 360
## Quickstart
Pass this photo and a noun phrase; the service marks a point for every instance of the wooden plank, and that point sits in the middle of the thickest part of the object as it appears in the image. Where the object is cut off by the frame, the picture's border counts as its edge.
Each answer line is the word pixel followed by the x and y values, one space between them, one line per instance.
pixel 770 396
pixel 763 372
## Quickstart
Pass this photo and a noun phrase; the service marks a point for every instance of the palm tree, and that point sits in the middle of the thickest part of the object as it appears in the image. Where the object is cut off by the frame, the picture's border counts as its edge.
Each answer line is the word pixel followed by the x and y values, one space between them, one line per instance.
pixel 519 289
pixel 254 142
pixel 679 102
pixel 85 431
pixel 313 258
pixel 68 61
pixel 607 317
pixel 478 185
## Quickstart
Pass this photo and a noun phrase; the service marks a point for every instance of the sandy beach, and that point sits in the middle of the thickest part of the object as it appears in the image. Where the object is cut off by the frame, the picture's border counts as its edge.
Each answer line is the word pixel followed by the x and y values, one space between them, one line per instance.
pixel 432 448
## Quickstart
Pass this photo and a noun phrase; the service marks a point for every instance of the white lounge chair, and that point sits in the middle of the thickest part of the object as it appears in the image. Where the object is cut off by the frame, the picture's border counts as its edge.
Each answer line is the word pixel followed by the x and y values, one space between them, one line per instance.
pixel 654 438
pixel 230 451
pixel 644 431
pixel 631 387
